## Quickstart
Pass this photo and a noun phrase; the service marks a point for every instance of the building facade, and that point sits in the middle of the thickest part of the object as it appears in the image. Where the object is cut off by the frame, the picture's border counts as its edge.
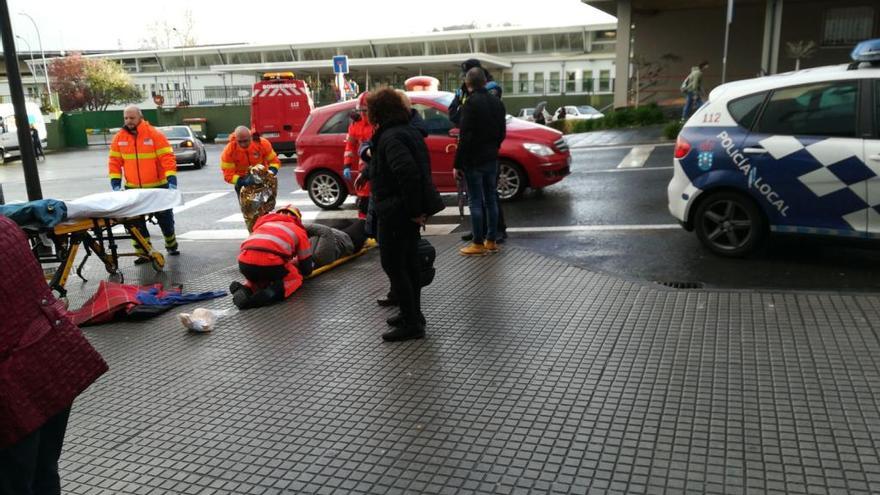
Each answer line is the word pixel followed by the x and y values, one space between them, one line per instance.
pixel 531 64
pixel 764 37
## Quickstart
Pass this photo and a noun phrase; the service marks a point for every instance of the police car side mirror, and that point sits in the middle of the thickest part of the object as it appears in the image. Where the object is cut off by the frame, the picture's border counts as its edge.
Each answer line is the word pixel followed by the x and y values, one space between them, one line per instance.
pixel 454 132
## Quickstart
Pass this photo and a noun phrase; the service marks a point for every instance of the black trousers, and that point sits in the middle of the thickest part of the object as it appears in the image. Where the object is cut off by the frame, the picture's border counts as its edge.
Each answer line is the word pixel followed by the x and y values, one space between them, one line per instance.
pixel 30 467
pixel 399 254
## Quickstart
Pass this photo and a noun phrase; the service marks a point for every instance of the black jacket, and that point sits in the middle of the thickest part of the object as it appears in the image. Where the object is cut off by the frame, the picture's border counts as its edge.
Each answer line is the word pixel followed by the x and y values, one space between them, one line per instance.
pixel 398 171
pixel 482 129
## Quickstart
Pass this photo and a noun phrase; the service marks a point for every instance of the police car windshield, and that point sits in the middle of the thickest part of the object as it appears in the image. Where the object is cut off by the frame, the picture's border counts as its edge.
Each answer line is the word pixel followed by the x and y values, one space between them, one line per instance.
pixel 175 132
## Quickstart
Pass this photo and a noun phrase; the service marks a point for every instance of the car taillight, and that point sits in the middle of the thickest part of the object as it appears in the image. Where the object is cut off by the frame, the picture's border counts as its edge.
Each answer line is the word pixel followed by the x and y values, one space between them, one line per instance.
pixel 186 144
pixel 682 147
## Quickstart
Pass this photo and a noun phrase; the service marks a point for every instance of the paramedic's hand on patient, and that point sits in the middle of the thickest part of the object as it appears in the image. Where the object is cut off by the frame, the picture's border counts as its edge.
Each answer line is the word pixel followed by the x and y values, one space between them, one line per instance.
pixel 172 181
pixel 346 172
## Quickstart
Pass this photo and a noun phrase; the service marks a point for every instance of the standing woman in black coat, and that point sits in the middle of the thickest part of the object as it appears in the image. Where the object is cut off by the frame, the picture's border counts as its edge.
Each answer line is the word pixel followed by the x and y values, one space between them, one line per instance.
pixel 400 158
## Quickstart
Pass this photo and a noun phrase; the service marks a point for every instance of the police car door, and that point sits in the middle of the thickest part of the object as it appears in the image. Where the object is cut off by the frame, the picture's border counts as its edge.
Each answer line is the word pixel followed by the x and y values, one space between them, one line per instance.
pixel 871 120
pixel 805 160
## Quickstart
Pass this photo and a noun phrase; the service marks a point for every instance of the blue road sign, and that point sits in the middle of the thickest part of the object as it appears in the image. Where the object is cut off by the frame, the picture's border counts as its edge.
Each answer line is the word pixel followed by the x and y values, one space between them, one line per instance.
pixel 340 64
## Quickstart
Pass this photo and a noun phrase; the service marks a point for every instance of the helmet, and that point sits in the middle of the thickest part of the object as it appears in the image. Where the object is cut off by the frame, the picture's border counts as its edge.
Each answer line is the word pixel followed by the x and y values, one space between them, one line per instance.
pixel 291 210
pixel 470 64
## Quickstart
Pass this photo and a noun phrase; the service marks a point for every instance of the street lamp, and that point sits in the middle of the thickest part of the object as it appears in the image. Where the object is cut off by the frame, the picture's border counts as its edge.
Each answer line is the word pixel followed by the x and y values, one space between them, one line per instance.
pixel 42 54
pixel 31 66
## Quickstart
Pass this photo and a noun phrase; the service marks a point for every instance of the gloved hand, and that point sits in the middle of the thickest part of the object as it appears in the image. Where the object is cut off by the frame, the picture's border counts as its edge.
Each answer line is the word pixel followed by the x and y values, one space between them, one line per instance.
pixel 172 181
pixel 273 170
pixel 247 180
pixel 116 184
pixel 346 172
pixel 117 188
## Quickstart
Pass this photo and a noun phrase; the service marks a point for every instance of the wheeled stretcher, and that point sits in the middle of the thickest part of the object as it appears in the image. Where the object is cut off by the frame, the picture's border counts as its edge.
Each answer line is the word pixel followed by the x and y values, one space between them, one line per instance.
pixel 92 224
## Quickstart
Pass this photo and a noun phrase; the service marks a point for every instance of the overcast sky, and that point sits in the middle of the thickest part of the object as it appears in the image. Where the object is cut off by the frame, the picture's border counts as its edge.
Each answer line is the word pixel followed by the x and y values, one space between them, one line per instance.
pixel 103 24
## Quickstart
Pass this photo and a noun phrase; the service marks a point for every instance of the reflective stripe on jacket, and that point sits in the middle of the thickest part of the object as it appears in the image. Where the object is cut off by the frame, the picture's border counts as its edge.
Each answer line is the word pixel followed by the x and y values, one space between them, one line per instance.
pixel 236 161
pixel 146 159
pixel 278 236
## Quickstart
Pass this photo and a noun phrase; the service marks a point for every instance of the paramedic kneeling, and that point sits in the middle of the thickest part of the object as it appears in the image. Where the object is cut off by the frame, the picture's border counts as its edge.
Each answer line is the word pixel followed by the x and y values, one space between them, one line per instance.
pixel 273 259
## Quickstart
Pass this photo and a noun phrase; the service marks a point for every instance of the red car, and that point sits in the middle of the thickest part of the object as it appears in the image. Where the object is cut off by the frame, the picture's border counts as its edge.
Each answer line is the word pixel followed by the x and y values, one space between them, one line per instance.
pixel 531 156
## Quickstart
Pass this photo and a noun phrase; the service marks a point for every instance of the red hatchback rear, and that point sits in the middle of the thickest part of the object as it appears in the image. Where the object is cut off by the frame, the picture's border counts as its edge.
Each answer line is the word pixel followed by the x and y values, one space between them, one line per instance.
pixel 531 156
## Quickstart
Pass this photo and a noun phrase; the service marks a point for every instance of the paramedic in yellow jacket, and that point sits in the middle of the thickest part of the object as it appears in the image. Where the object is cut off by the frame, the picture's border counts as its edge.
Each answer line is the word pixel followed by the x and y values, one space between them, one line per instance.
pixel 141 158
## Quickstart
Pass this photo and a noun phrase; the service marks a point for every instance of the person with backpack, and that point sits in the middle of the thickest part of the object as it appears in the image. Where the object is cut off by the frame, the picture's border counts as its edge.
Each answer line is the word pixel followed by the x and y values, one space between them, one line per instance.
pixel 692 88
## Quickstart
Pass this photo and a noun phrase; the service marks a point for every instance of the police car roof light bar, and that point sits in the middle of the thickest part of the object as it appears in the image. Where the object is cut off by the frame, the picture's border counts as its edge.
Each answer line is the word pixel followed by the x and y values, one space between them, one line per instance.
pixel 865 52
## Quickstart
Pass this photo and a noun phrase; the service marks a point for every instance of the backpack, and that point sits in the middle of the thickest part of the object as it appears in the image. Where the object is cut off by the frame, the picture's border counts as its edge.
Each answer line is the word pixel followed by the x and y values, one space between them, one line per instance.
pixel 685 84
pixel 427 255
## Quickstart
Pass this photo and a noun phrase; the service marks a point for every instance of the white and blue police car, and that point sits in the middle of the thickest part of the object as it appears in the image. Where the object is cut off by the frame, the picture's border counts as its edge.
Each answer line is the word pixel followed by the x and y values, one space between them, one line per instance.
pixel 794 153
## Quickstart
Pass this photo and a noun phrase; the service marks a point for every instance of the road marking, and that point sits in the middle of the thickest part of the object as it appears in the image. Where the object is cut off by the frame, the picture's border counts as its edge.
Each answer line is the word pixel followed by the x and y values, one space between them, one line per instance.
pixel 595 228
pixel 615 147
pixel 241 234
pixel 312 215
pixel 614 170
pixel 636 157
pixel 200 201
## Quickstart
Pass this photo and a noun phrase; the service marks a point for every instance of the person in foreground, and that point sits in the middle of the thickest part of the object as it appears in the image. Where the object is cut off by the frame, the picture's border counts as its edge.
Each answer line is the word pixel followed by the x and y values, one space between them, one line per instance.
pixel 397 169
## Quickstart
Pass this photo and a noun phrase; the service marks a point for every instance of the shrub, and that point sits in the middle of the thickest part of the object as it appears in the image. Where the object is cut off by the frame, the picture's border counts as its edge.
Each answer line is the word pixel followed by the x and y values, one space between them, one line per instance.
pixel 672 129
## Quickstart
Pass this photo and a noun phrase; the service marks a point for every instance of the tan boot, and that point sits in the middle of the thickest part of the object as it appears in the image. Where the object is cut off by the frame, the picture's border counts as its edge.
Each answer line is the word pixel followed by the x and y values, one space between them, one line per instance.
pixel 473 249
pixel 490 247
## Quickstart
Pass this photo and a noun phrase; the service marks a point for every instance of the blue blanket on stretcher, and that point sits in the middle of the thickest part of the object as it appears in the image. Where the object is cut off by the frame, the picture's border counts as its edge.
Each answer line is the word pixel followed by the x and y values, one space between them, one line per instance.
pixel 45 213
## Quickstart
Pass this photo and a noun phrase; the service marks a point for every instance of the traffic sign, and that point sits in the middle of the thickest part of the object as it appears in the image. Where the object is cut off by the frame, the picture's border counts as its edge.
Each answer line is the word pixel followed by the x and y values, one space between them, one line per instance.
pixel 340 64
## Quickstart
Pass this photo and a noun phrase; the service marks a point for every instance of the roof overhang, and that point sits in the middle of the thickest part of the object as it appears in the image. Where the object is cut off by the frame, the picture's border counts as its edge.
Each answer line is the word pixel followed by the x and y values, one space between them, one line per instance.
pixel 648 6
pixel 394 63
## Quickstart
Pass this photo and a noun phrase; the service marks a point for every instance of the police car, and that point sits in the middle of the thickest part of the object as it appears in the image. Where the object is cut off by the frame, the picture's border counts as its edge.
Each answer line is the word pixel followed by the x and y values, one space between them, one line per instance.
pixel 794 153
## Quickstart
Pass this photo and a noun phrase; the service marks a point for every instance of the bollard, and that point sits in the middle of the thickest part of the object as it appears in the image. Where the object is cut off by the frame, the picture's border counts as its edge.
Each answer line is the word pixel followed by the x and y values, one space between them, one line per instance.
pixel 2 200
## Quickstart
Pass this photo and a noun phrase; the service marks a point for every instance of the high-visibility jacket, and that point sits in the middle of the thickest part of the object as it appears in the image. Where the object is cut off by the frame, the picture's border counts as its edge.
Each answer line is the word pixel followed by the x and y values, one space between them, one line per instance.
pixel 145 158
pixel 278 239
pixel 358 132
pixel 236 161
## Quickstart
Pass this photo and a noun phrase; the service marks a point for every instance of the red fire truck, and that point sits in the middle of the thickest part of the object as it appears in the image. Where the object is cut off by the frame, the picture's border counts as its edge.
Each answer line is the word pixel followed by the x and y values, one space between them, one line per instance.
pixel 280 105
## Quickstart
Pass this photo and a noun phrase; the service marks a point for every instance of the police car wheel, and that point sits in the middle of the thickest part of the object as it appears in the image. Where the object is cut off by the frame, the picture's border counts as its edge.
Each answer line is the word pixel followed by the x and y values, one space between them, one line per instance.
pixel 511 181
pixel 326 190
pixel 729 224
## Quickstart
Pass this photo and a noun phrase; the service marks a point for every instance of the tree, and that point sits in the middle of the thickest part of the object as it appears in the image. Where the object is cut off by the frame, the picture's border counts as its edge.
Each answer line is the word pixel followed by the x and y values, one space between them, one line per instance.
pixel 800 50
pixel 91 84
pixel 162 34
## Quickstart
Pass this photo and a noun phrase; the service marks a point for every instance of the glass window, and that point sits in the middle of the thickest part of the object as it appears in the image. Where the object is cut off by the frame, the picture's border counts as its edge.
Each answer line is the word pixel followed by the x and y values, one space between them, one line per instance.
pixel 539 82
pixel 436 121
pixel 606 36
pixel 490 45
pixel 523 82
pixel 554 82
pixel 825 109
pixel 847 25
pixel 745 109
pixel 587 81
pixel 570 81
pixel 337 124
pixel 604 80
pixel 176 132
pixel 543 43
pixel 877 108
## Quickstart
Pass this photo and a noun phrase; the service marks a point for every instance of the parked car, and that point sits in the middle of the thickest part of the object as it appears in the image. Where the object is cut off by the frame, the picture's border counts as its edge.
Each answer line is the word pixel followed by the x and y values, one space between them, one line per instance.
pixel 583 112
pixel 795 153
pixel 527 114
pixel 187 147
pixel 531 155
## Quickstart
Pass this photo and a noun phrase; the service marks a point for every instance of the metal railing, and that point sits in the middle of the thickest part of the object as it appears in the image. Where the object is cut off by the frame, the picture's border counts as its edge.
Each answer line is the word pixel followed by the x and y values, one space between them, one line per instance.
pixel 235 95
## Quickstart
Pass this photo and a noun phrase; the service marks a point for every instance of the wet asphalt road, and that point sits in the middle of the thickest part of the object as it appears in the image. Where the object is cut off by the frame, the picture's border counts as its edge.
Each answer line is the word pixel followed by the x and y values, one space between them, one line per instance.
pixel 597 194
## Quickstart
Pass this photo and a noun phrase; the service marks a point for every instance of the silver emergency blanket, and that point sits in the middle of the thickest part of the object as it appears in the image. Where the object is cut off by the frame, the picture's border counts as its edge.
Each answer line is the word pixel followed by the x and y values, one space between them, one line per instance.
pixel 123 204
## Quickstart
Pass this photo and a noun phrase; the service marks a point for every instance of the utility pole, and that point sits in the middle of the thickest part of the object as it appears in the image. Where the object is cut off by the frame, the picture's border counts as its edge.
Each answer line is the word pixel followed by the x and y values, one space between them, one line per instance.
pixel 25 143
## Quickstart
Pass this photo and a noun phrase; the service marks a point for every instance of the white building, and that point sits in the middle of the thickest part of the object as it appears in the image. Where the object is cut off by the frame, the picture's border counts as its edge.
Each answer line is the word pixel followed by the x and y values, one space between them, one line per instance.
pixel 529 63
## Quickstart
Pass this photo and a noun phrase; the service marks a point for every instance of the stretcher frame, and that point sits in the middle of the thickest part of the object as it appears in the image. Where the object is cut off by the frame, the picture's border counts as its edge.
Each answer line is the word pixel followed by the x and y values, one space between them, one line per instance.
pixel 60 245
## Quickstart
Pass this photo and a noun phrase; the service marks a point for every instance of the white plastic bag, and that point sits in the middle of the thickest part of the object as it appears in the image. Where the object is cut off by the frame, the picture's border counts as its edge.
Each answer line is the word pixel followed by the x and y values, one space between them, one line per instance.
pixel 201 320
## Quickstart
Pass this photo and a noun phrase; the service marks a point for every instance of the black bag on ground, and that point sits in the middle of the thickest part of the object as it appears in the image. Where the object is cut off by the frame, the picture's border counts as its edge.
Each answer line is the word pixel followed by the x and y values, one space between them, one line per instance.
pixel 427 254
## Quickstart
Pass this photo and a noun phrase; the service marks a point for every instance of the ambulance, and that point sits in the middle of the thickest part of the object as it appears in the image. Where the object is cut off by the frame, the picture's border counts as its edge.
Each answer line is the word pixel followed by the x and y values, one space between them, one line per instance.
pixel 795 153
pixel 279 109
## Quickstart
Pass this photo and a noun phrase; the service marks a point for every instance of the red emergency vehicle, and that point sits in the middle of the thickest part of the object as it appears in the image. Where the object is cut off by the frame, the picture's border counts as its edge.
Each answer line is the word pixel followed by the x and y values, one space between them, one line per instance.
pixel 280 105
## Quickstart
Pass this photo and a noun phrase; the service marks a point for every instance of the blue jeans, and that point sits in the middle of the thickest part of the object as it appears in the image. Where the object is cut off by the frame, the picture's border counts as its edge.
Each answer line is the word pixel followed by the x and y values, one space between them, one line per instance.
pixel 482 183
pixel 692 102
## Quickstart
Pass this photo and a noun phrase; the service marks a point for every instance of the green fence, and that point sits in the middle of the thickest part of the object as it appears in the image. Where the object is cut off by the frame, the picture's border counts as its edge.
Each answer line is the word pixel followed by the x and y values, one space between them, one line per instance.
pixel 84 128
pixel 220 120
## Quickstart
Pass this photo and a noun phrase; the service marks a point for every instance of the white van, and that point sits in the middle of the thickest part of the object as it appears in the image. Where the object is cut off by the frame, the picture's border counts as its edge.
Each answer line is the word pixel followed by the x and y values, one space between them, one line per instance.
pixel 9 131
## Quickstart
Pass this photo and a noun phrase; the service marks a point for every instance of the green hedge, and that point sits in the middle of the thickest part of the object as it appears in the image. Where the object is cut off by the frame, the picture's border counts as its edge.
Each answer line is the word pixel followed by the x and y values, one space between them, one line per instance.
pixel 625 117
